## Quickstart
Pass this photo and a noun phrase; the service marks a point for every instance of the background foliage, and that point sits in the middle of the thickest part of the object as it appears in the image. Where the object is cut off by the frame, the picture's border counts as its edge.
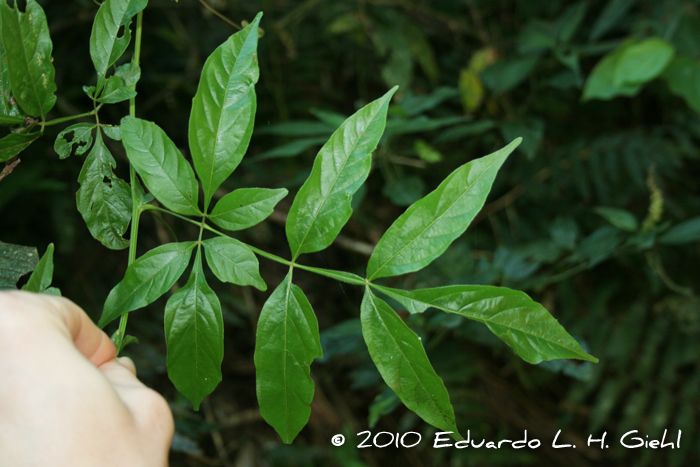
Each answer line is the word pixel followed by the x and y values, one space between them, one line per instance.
pixel 595 215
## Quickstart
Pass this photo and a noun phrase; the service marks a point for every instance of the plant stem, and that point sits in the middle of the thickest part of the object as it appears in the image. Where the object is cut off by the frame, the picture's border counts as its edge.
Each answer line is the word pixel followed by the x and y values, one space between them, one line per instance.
pixel 56 121
pixel 136 209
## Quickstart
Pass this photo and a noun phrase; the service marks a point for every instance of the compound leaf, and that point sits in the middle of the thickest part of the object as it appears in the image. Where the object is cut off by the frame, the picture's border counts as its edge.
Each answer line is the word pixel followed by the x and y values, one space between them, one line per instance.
pixel 146 279
pixel 516 319
pixel 232 261
pixel 28 48
pixel 401 359
pixel 322 206
pixel 223 110
pixel 80 136
pixel 286 343
pixel 194 333
pixel 164 170
pixel 245 207
pixel 14 143
pixel 427 228
pixel 40 280
pixel 104 205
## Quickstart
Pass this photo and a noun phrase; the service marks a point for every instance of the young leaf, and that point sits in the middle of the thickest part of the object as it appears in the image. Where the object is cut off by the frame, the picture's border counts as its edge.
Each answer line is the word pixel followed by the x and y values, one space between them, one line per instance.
pixel 81 138
pixel 322 206
pixel 286 343
pixel 400 358
pixel 516 319
pixel 232 261
pixel 164 171
pixel 28 48
pixel 146 279
pixel 40 280
pixel 194 333
pixel 105 45
pixel 427 228
pixel 105 206
pixel 223 110
pixel 15 261
pixel 130 73
pixel 14 143
pixel 115 91
pixel 245 207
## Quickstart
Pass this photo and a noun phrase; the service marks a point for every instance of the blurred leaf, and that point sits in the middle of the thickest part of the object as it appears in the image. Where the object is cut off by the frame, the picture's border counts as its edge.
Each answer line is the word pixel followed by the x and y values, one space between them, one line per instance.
pixel 40 280
pixel 291 149
pixel 296 128
pixel 505 75
pixel 104 205
pixel 404 191
pixel 427 228
pixel 322 206
pixel 161 166
pixel 28 49
pixel 78 135
pixel 598 245
pixel 223 110
pixel 459 132
pixel 15 261
pixel 426 152
pixel 569 22
pixel 413 105
pixel 246 207
pixel 232 261
pixel 536 37
pixel 471 90
pixel 530 129
pixel 14 143
pixel 564 232
pixel 401 359
pixel 687 231
pixel 683 77
pixel 601 83
pixel 620 218
pixel 611 16
pixel 642 61
pixel 385 403
pixel 146 279
pixel 194 333
pixel 516 319
pixel 419 124
pixel 286 343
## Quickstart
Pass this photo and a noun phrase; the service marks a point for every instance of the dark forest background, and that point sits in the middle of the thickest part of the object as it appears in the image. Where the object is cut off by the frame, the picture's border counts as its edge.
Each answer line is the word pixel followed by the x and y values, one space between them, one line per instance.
pixel 595 216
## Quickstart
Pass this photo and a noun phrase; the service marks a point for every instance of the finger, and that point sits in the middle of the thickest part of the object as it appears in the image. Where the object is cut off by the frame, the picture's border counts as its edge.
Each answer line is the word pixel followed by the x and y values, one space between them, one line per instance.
pixel 128 364
pixel 90 340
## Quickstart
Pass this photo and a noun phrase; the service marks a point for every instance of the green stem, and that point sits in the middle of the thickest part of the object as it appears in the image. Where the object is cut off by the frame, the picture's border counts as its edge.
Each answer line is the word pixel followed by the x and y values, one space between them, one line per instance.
pixel 136 209
pixel 56 121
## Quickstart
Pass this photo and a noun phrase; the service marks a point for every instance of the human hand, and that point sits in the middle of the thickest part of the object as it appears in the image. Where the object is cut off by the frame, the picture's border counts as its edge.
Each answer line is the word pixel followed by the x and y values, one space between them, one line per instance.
pixel 65 400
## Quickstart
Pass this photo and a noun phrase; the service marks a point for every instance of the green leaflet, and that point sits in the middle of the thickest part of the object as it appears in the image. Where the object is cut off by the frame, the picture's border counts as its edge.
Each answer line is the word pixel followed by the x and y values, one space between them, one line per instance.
pixel 15 261
pixel 161 166
pixel 105 45
pixel 523 324
pixel 28 48
pixel 115 91
pixel 130 73
pixel 245 207
pixel 105 206
pixel 223 110
pixel 286 343
pixel 425 230
pixel 400 358
pixel 149 277
pixel 602 83
pixel 233 262
pixel 14 143
pixel 322 206
pixel 80 136
pixel 194 333
pixel 40 280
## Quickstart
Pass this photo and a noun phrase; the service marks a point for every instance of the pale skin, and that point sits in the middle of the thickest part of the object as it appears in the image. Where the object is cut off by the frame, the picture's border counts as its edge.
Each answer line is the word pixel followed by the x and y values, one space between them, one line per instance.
pixel 65 400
